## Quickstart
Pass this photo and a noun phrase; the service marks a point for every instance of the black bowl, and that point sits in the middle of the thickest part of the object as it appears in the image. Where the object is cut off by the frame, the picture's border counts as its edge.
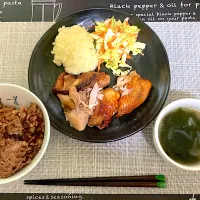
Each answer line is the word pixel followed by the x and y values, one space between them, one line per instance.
pixel 153 65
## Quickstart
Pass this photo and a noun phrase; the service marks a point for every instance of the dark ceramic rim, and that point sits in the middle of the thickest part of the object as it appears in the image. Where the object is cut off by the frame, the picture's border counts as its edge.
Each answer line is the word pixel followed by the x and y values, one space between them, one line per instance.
pixel 129 133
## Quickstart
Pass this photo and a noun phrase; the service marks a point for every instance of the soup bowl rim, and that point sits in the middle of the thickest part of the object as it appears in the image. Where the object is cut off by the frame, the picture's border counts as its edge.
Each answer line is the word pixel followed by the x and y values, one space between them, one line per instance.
pixel 181 103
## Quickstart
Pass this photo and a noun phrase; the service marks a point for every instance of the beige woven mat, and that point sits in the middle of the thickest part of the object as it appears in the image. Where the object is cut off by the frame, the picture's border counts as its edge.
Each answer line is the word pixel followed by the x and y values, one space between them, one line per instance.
pixel 66 157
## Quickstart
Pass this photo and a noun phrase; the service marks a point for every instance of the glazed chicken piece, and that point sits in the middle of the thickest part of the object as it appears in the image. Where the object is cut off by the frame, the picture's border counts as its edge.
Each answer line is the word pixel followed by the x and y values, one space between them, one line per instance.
pixel 78 106
pixel 67 103
pixel 102 79
pixel 63 83
pixel 74 111
pixel 134 91
pixel 86 80
pixel 105 109
pixel 79 95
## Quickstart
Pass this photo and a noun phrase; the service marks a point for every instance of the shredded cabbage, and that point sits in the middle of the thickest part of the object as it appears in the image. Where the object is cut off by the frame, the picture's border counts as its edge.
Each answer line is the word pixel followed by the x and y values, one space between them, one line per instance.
pixel 114 42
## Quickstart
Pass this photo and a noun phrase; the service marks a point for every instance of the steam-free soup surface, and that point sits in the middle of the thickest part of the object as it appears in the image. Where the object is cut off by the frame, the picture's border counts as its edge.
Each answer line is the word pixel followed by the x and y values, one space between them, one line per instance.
pixel 180 135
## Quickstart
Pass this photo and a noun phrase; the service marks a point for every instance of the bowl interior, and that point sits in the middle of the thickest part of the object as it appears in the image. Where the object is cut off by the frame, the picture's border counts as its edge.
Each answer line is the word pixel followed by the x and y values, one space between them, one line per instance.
pixel 14 95
pixel 182 103
pixel 153 65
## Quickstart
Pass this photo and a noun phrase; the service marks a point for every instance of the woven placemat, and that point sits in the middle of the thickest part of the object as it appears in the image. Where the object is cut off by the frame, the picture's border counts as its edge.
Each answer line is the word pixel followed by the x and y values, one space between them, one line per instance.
pixel 66 157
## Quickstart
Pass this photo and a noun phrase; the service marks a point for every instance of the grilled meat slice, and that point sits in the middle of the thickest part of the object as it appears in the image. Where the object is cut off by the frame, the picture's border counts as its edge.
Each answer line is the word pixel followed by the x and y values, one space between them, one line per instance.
pixel 63 83
pixel 105 109
pixel 79 123
pixel 102 79
pixel 67 102
pixel 74 111
pixel 134 91
pixel 81 82
pixel 85 79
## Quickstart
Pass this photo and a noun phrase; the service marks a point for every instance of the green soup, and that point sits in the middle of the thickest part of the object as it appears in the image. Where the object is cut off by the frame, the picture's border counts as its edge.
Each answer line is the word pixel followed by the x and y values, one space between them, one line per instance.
pixel 179 134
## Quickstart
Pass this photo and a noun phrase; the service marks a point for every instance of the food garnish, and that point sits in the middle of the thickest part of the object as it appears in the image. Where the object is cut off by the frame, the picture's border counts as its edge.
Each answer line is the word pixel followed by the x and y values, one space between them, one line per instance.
pixel 115 41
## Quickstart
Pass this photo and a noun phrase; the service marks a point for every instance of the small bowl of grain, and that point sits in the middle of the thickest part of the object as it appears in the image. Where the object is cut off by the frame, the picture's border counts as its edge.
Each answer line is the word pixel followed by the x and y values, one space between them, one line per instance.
pixel 24 132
